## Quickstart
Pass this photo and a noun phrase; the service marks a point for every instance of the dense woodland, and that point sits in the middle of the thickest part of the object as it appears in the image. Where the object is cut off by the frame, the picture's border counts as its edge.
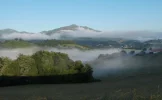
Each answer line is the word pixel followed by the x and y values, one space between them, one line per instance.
pixel 57 66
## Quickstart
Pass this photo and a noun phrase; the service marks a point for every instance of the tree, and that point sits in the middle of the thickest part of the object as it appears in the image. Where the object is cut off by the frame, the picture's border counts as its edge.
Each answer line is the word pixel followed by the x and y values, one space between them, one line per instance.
pixel 22 66
pixel 78 66
pixel 11 70
pixel 27 65
pixel 44 61
pixel 4 61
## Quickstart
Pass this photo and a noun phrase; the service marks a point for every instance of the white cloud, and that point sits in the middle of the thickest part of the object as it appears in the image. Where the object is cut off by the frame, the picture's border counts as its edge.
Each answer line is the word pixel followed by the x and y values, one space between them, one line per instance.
pixel 81 32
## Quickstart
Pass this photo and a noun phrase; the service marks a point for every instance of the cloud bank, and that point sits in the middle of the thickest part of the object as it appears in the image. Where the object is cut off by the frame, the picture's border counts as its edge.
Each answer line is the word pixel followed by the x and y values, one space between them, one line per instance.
pixel 81 32
pixel 26 36
pixel 74 54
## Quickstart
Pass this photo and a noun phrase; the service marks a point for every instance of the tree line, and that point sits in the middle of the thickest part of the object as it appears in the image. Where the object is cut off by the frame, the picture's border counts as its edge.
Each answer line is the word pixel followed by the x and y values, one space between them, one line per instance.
pixel 46 64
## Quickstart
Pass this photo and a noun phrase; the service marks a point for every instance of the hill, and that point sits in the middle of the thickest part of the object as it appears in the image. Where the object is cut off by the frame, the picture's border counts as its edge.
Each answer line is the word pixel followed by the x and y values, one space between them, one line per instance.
pixel 15 44
pixel 62 44
pixel 98 42
pixel 75 31
pixel 72 27
pixel 10 31
pixel 7 31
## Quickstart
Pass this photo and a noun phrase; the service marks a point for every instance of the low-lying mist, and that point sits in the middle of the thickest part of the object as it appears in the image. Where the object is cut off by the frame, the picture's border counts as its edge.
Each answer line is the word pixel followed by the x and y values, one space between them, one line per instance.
pixel 107 67
pixel 74 54
pixel 135 35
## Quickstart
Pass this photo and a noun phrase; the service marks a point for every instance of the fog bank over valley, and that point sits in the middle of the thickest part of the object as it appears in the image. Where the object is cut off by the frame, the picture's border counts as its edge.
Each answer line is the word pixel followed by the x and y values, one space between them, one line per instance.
pixel 77 31
pixel 74 54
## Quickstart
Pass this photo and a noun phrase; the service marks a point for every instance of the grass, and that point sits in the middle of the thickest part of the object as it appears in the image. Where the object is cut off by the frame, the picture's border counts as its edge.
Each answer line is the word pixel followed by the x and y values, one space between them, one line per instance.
pixel 15 44
pixel 131 88
pixel 75 46
pixel 23 44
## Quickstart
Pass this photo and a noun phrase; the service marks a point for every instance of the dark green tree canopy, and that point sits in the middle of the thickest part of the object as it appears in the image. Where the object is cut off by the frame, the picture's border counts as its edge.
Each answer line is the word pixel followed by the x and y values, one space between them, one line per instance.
pixel 43 63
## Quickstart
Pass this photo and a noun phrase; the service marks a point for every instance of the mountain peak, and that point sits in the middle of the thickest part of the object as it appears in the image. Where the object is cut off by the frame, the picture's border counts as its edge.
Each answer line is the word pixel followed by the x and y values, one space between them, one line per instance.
pixel 72 27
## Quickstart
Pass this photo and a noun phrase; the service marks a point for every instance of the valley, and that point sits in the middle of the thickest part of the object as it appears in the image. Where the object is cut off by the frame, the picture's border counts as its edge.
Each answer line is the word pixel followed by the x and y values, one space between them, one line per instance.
pixel 49 64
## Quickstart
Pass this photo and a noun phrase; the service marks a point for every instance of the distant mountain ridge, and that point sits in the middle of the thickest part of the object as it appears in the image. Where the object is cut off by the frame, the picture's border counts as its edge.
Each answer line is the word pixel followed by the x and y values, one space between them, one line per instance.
pixel 72 27
pixel 8 31
pixel 66 32
pixel 75 31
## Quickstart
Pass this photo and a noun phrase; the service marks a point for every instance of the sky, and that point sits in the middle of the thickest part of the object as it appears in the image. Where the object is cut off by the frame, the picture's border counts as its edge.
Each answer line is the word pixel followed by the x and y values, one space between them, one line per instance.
pixel 107 15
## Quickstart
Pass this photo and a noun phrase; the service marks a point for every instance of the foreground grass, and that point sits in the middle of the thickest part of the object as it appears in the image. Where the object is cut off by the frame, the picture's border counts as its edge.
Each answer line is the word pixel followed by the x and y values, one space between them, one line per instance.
pixel 117 95
pixel 133 88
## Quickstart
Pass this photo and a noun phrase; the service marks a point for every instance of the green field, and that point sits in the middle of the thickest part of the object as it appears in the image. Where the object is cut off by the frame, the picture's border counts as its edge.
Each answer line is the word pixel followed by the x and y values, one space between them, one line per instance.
pixel 15 44
pixel 75 46
pixel 131 88
pixel 62 44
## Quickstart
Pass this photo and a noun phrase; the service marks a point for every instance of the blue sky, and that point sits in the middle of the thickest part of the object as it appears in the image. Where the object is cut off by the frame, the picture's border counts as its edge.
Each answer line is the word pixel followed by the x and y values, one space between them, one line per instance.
pixel 107 15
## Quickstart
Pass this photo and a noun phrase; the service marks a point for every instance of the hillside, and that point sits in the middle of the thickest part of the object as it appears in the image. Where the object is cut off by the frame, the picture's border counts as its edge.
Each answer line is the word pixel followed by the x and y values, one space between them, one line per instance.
pixel 97 42
pixel 7 31
pixel 109 43
pixel 10 31
pixel 62 44
pixel 72 27
pixel 15 44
